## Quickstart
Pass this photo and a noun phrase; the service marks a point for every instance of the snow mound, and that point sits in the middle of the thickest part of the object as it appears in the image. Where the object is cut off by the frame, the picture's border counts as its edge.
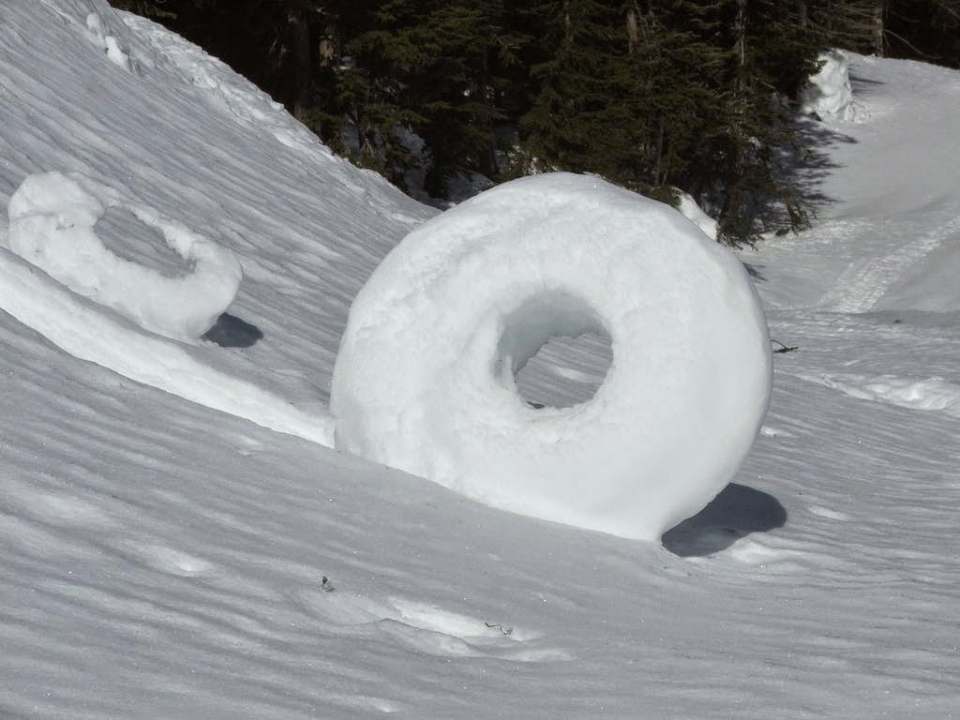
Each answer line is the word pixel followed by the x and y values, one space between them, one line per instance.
pixel 695 214
pixel 934 393
pixel 425 376
pixel 106 42
pixel 52 221
pixel 829 93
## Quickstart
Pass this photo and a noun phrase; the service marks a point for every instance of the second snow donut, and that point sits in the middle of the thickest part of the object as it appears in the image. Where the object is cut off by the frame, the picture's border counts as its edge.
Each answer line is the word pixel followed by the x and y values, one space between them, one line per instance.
pixel 52 225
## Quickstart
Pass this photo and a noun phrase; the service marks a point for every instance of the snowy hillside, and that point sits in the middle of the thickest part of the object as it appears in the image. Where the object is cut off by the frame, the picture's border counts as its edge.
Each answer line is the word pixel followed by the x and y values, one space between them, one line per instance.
pixel 164 548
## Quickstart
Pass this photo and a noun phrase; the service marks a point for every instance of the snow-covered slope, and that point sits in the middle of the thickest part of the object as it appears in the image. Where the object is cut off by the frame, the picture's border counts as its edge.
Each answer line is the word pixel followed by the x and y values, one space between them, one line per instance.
pixel 888 225
pixel 165 559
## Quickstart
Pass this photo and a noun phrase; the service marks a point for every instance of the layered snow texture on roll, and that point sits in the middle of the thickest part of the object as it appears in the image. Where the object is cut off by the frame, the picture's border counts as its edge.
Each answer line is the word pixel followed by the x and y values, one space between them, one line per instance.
pixel 424 380
pixel 52 220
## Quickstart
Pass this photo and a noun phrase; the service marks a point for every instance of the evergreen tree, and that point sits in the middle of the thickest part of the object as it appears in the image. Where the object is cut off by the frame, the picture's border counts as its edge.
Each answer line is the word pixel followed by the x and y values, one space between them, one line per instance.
pixel 853 24
pixel 755 58
pixel 689 94
pixel 572 123
pixel 147 8
pixel 673 101
pixel 924 29
pixel 433 68
pixel 656 95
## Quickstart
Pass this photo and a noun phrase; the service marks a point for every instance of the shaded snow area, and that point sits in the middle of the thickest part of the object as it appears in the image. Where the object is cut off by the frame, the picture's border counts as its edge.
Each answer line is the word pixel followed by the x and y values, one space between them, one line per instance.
pixel 178 542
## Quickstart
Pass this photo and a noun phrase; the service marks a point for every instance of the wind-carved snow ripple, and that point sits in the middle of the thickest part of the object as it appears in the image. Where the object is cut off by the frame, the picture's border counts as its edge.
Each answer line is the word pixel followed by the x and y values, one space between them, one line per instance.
pixel 428 629
pixel 425 376
pixel 97 306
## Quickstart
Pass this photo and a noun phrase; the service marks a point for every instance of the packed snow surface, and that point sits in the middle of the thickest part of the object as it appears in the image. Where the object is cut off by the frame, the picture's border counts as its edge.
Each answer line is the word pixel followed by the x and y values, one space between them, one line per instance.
pixel 164 549
pixel 425 377
pixel 109 43
pixel 52 224
pixel 86 332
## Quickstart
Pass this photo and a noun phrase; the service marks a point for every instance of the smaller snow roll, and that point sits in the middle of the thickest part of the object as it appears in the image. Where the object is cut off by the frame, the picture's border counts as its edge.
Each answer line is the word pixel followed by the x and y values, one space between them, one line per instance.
pixel 424 380
pixel 52 219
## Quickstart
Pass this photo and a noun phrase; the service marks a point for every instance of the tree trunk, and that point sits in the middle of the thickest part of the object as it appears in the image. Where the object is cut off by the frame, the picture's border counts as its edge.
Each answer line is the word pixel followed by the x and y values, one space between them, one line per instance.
pixel 300 32
pixel 740 33
pixel 633 31
pixel 877 28
pixel 487 161
pixel 740 48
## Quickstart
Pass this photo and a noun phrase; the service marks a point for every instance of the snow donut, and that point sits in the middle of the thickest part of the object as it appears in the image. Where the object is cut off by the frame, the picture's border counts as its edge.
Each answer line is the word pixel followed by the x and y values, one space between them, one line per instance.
pixel 424 379
pixel 52 219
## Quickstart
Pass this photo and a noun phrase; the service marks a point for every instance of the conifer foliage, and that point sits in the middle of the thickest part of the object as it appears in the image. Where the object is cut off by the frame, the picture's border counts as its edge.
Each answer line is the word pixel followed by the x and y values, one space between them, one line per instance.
pixel 660 96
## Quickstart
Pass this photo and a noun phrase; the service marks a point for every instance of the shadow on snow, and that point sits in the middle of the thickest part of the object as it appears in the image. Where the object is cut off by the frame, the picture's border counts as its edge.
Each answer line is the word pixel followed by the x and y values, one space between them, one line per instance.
pixel 231 332
pixel 735 513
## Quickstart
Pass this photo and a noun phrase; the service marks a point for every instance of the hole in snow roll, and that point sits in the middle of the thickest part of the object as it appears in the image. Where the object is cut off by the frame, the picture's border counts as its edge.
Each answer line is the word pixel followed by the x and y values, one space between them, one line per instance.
pixel 53 222
pixel 554 351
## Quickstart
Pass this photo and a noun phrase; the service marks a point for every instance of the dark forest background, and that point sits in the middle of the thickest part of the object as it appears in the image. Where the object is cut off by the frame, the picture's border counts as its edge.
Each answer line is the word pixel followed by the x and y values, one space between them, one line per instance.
pixel 660 96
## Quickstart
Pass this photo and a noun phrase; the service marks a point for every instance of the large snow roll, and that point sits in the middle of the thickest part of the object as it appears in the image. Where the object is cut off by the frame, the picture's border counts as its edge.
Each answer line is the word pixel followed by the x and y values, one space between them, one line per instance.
pixel 52 224
pixel 424 379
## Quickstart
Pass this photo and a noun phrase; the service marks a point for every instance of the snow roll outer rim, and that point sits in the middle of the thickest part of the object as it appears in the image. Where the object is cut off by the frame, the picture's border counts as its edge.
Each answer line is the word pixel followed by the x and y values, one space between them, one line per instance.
pixel 415 385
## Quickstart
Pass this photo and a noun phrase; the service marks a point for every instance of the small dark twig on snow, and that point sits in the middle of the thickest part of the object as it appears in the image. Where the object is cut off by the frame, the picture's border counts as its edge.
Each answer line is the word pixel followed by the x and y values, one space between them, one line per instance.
pixel 784 348
pixel 497 626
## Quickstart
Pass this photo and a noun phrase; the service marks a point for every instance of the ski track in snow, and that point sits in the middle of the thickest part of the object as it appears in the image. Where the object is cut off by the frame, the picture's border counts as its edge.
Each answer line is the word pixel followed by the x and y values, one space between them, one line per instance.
pixel 866 280
pixel 164 560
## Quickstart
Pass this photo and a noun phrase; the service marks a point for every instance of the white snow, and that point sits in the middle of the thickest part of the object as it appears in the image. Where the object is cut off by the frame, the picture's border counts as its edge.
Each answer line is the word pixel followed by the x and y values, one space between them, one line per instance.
pixel 425 377
pixel 695 214
pixel 86 332
pixel 163 558
pixel 932 282
pixel 52 222
pixel 829 94
pixel 109 43
pixel 934 393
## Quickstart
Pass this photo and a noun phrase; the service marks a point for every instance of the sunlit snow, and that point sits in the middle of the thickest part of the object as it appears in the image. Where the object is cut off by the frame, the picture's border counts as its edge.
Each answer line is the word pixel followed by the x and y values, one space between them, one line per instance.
pixel 829 93
pixel 51 224
pixel 425 377
pixel 168 554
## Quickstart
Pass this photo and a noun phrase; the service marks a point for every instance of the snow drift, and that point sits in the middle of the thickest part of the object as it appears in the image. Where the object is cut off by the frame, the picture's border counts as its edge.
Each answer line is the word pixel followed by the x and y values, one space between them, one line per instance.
pixel 695 214
pixel 829 93
pixel 424 380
